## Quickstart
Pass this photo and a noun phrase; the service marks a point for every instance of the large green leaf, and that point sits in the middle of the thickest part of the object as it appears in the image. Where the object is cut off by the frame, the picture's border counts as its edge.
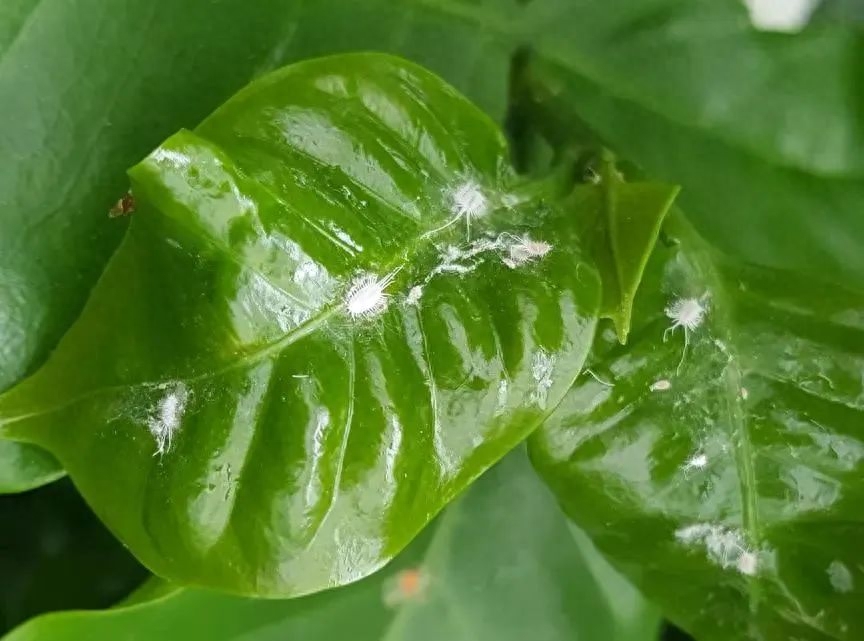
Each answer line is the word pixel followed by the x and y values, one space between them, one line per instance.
pixel 87 89
pixel 133 73
pixel 762 212
pixel 789 100
pixel 725 480
pixel 334 309
pixel 500 564
pixel 23 467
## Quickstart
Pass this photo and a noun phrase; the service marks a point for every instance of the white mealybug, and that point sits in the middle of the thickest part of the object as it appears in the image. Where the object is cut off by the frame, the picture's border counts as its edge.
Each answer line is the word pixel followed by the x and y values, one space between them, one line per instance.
pixel 525 249
pixel 367 296
pixel 660 385
pixel 167 416
pixel 695 462
pixel 467 201
pixel 687 313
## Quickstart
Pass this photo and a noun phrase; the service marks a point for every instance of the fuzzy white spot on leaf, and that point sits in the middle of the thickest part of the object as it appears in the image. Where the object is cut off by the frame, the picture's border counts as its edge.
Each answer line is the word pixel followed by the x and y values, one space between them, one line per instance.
pixel 367 296
pixel 723 546
pixel 542 368
pixel 525 249
pixel 469 201
pixel 660 385
pixel 840 577
pixel 414 295
pixel 696 462
pixel 687 313
pixel 165 418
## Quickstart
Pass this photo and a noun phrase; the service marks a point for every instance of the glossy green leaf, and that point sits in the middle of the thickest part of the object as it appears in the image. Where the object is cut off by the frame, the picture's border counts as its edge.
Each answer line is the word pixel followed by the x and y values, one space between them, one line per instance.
pixel 332 311
pixel 85 98
pixel 760 211
pixel 726 480
pixel 153 66
pixel 621 222
pixel 789 100
pixel 500 564
pixel 24 467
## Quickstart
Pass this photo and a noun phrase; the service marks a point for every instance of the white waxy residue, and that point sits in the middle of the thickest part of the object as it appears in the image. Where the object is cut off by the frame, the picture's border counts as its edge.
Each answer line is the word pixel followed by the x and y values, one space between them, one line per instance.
pixel 660 385
pixel 414 295
pixel 165 418
pixel 542 368
pixel 840 577
pixel 723 546
pixel 503 391
pixel 177 159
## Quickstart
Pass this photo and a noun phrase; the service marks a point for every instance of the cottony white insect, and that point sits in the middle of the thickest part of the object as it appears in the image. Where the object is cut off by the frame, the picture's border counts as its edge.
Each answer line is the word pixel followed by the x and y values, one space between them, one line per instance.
pixel 660 385
pixel 468 202
pixel 525 249
pixel 165 420
pixel 696 462
pixel 687 313
pixel 367 296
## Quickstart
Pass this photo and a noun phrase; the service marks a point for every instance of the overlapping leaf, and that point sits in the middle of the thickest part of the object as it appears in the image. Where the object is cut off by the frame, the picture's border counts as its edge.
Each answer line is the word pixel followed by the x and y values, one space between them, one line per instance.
pixel 332 311
pixel 725 480
pixel 23 467
pixel 500 564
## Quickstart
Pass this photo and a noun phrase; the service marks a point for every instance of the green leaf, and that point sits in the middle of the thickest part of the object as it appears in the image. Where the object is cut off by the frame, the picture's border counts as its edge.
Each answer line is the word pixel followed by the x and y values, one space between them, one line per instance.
pixel 726 479
pixel 500 564
pixel 748 206
pixel 298 356
pixel 24 467
pixel 789 100
pixel 621 222
pixel 83 104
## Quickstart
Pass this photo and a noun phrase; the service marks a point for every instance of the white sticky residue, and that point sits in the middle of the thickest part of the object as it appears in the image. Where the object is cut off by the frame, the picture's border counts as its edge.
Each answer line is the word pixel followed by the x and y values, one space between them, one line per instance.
pixel 514 251
pixel 367 296
pixel 744 394
pixel 840 577
pixel 503 392
pixel 342 235
pixel 724 546
pixel 391 451
pixel 524 249
pixel 414 295
pixel 175 158
pixel 542 367
pixel 780 15
pixel 164 419
pixel 660 385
